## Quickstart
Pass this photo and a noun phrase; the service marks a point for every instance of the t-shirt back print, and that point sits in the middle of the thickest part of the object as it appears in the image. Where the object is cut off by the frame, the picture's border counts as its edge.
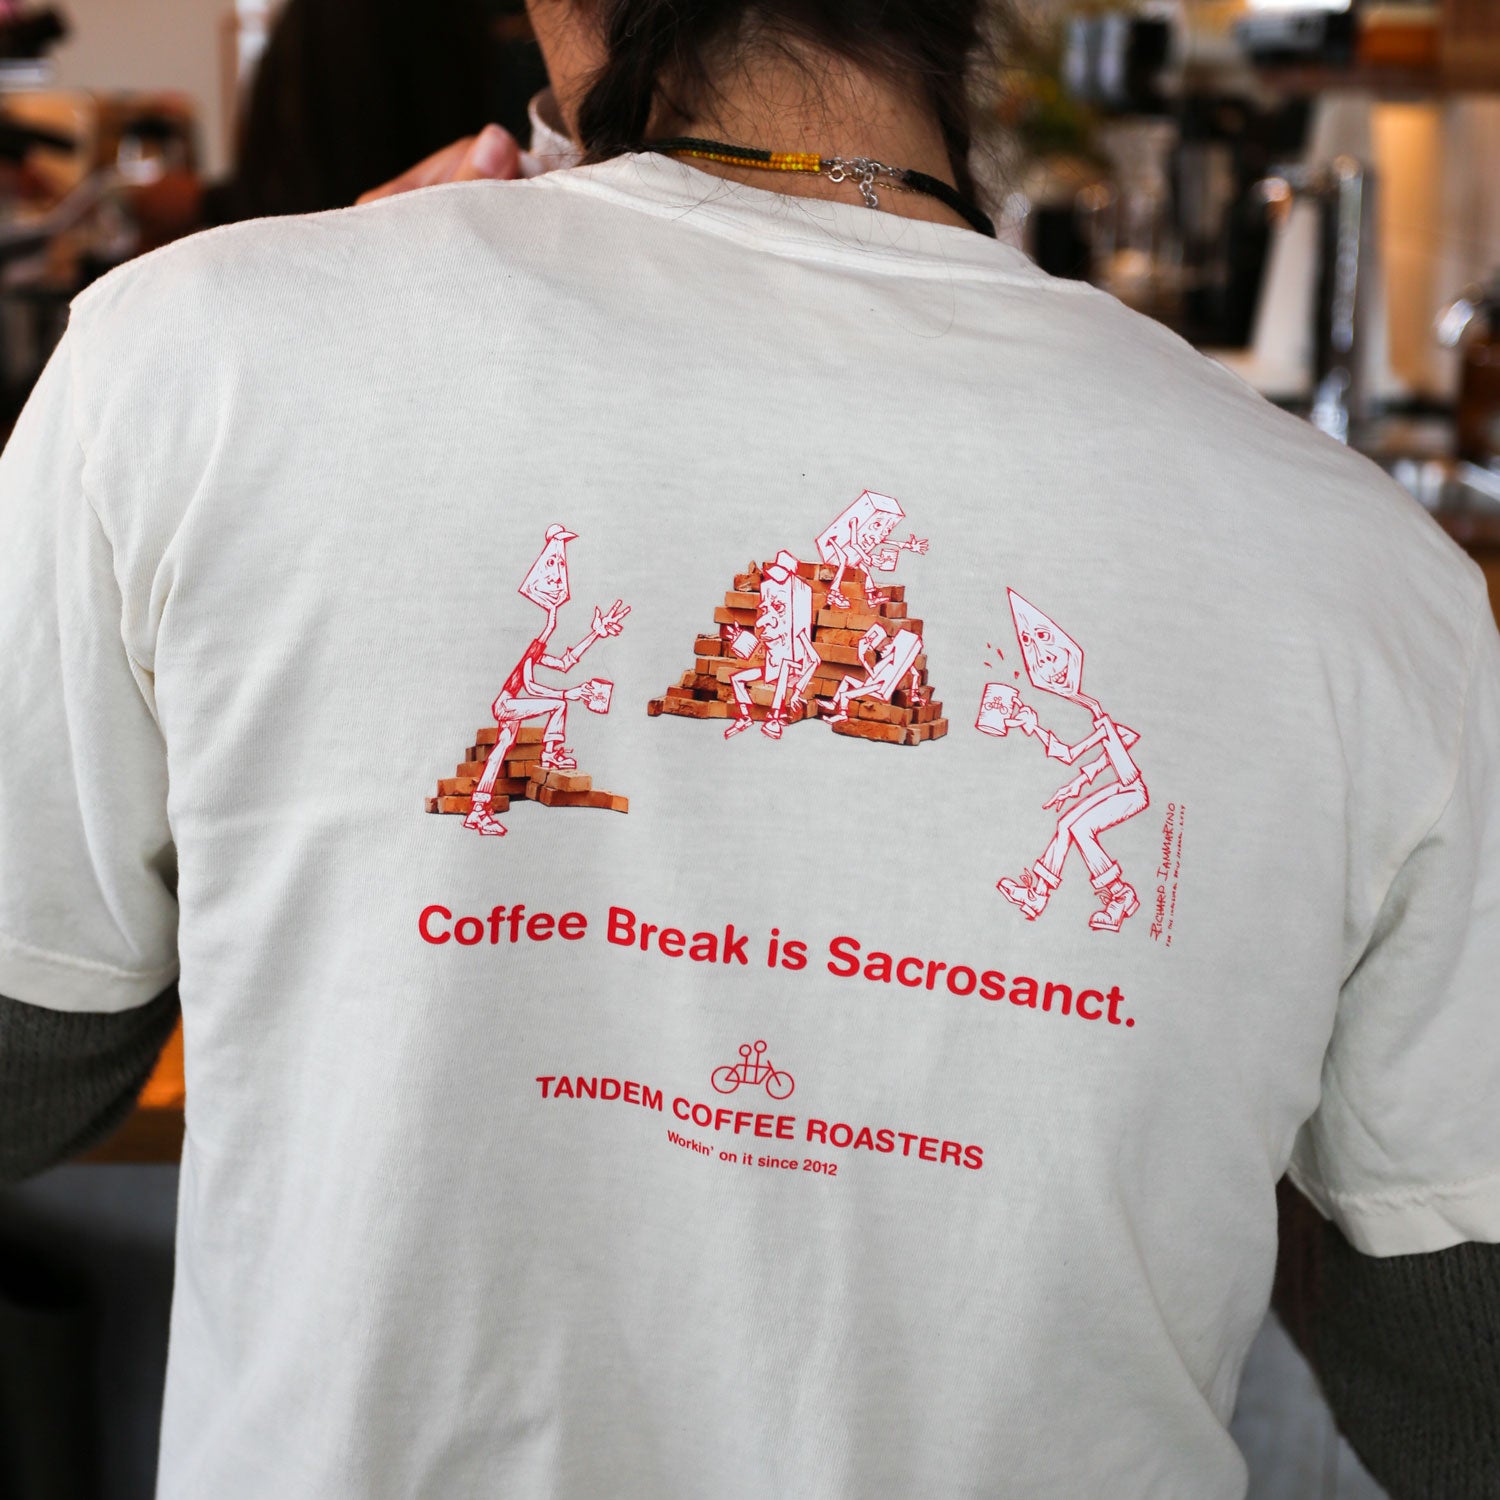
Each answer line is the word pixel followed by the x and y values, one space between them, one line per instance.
pixel 823 639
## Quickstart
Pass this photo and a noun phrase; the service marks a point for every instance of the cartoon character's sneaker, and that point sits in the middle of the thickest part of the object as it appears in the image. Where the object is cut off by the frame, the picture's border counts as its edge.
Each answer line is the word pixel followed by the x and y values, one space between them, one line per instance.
pixel 876 596
pixel 1028 893
pixel 836 600
pixel 1120 901
pixel 772 727
pixel 558 759
pixel 482 820
pixel 739 726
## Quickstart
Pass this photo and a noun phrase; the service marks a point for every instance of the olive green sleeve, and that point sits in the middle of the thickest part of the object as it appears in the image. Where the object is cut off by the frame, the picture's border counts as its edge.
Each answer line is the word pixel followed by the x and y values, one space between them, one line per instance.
pixel 1406 1349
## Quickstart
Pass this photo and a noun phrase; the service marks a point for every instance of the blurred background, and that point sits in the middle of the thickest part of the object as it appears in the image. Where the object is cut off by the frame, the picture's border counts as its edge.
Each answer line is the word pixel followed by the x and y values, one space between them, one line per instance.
pixel 1308 190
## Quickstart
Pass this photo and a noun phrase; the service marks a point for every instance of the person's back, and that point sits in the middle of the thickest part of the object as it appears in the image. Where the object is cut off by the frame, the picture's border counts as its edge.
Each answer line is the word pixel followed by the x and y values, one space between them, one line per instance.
pixel 884 1104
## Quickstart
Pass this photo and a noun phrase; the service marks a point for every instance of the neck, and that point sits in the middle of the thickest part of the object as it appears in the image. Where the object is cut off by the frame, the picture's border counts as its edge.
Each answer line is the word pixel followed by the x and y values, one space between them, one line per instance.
pixel 824 105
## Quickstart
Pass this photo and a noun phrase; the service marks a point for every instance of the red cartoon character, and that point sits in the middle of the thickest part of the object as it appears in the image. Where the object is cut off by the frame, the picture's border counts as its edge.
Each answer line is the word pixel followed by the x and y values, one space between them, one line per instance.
pixel 783 630
pixel 859 538
pixel 1054 663
pixel 889 661
pixel 523 697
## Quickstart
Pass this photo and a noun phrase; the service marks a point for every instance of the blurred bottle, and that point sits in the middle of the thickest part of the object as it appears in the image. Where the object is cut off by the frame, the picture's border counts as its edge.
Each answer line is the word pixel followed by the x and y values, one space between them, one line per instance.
pixel 1472 325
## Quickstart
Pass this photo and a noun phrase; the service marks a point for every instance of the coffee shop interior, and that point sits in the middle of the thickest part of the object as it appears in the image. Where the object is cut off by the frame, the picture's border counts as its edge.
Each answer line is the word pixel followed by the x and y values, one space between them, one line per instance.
pixel 1306 190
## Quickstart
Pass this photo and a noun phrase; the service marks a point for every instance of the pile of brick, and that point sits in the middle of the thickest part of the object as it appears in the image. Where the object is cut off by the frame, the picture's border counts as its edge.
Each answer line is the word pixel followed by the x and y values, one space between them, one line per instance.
pixel 705 691
pixel 521 776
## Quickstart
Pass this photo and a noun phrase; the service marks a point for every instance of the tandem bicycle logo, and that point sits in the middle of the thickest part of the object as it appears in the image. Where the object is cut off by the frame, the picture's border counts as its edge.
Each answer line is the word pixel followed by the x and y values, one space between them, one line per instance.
pixel 734 1131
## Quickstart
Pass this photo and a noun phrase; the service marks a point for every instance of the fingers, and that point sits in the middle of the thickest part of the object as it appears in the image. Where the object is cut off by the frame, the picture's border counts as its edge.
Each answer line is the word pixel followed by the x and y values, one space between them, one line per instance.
pixel 493 153
pixel 439 167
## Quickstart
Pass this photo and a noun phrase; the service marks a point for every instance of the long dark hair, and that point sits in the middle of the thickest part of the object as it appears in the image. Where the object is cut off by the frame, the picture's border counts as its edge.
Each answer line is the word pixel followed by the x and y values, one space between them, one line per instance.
pixel 664 51
pixel 350 92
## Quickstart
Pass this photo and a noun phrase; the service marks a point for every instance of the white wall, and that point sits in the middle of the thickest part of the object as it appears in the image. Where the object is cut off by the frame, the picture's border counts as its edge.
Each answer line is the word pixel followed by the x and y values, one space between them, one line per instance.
pixel 153 44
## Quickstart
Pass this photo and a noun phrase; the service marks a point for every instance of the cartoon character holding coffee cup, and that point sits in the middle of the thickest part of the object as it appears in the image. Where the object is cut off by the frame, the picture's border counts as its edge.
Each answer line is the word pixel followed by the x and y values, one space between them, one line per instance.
pixel 859 538
pixel 523 697
pixel 1054 663
pixel 783 631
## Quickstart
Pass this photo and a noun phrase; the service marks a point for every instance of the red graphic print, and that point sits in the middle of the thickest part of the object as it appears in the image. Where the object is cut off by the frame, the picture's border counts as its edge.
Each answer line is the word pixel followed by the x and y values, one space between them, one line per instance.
pixel 523 696
pixel 755 1071
pixel 783 632
pixel 858 538
pixel 796 640
pixel 1054 663
pixel 889 662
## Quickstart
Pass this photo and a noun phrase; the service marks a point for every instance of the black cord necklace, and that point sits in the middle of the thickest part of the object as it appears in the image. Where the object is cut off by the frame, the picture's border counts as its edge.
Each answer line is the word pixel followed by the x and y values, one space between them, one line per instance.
pixel 862 171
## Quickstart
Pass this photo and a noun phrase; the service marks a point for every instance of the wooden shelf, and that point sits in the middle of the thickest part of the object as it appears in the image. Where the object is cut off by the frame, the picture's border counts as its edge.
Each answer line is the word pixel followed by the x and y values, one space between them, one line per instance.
pixel 1386 82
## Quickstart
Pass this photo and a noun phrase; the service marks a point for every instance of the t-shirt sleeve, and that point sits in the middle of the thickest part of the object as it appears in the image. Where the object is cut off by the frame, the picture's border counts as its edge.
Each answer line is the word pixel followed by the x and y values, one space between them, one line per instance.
pixel 88 915
pixel 1403 1151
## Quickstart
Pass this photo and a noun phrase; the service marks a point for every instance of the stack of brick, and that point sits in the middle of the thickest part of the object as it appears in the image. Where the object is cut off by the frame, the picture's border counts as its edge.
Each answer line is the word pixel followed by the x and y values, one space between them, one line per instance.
pixel 705 691
pixel 521 775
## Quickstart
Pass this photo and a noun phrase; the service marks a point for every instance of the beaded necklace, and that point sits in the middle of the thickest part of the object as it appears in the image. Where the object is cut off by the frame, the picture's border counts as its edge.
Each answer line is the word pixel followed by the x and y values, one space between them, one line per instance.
pixel 862 171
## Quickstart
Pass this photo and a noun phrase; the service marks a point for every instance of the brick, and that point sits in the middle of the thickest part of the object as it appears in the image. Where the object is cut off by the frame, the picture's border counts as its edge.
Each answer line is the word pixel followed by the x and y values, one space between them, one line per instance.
pixel 562 781
pixel 846 619
pixel 551 796
pixel 939 728
pixel 708 645
pixel 738 599
pixel 525 735
pixel 741 617
pixel 430 804
pixel 463 804
pixel 844 656
pixel 694 708
pixel 890 734
pixel 456 786
pixel 472 770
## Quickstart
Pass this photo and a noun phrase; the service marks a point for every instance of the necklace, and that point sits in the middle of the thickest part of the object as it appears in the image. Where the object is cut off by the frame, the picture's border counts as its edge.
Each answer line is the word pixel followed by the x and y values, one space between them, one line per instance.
pixel 862 171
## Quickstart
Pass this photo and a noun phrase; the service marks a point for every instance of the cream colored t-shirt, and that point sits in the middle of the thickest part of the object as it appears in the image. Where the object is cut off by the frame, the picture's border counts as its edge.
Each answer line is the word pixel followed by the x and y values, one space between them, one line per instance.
pixel 856 1070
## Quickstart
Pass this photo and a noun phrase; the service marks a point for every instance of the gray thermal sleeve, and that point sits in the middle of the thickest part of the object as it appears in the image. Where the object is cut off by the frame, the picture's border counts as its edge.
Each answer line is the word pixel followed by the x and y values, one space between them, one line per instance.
pixel 68 1078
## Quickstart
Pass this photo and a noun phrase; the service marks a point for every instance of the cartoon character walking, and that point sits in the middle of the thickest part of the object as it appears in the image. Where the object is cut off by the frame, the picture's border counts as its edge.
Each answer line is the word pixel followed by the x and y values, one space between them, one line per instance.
pixel 524 697
pixel 889 661
pixel 783 630
pixel 859 538
pixel 1054 663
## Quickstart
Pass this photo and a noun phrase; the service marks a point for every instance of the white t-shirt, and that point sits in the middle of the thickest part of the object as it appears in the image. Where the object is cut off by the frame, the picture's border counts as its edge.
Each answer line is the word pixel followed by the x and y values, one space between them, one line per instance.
pixel 864 1111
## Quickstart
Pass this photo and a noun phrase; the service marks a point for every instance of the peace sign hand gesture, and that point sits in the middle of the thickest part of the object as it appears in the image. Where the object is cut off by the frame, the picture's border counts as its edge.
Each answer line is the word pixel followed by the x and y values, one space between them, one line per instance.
pixel 613 622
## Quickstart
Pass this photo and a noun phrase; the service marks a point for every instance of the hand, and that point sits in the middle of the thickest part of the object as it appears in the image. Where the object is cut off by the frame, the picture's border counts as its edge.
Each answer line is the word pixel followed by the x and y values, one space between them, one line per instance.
pixel 915 543
pixel 1065 793
pixel 1024 718
pixel 493 153
pixel 613 622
